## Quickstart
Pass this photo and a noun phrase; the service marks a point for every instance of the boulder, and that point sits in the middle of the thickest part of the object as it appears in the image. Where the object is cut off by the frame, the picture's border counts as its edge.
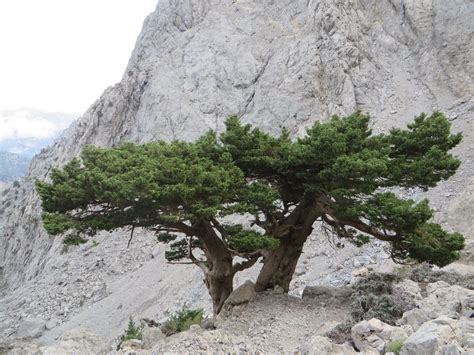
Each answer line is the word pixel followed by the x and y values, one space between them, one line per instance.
pixel 242 294
pixel 443 299
pixel 466 325
pixel 31 328
pixel 432 336
pixel 467 306
pixel 321 345
pixel 375 335
pixel 414 318
pixel 151 336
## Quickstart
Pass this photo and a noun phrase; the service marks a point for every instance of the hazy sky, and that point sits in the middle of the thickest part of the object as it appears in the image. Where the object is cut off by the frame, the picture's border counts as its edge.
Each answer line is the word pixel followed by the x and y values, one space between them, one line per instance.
pixel 59 55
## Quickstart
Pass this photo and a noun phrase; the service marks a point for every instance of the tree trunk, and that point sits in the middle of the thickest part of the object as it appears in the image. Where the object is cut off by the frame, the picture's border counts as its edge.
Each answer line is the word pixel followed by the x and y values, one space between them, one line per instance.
pixel 219 272
pixel 220 282
pixel 279 265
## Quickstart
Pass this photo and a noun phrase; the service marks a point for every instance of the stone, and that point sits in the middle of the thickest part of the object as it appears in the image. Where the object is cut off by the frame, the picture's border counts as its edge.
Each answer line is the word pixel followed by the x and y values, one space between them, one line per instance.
pixel 414 318
pixel 363 271
pixel 242 294
pixel 31 328
pixel 52 323
pixel 466 325
pixel 443 299
pixel 432 336
pixel 151 336
pixel 375 335
pixel 467 306
pixel 131 345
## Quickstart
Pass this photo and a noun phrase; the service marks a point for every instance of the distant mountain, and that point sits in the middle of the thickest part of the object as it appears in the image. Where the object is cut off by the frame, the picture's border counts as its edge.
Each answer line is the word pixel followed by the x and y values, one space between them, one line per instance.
pixel 12 166
pixel 26 131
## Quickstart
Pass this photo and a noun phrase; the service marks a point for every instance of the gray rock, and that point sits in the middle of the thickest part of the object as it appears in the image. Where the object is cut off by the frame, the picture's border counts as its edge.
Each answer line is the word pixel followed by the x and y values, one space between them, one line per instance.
pixel 375 335
pixel 31 328
pixel 242 294
pixel 151 336
pixel 432 336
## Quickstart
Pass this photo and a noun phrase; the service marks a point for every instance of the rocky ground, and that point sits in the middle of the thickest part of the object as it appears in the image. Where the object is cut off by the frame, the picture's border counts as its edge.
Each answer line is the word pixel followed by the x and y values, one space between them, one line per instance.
pixel 104 279
pixel 441 322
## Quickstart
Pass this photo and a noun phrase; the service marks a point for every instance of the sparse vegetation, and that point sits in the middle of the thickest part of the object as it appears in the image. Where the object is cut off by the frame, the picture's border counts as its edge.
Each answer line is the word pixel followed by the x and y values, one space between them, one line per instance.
pixel 424 273
pixel 395 346
pixel 182 320
pixel 133 331
pixel 373 298
pixel 73 239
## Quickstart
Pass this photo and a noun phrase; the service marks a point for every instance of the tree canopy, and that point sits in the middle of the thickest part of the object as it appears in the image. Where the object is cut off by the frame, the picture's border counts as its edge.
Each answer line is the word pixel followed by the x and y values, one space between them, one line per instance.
pixel 339 173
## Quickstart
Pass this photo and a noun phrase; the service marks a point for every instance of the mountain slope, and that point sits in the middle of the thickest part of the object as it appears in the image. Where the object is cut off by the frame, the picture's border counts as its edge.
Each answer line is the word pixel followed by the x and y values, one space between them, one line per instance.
pixel 12 166
pixel 275 64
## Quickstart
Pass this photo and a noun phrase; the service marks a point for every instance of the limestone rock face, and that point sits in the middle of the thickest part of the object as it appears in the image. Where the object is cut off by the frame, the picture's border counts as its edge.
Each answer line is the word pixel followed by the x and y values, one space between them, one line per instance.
pixel 276 64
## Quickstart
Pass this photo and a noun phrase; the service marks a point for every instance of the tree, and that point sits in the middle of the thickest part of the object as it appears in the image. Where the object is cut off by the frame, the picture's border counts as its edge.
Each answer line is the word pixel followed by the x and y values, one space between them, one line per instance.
pixel 339 173
pixel 344 176
pixel 177 190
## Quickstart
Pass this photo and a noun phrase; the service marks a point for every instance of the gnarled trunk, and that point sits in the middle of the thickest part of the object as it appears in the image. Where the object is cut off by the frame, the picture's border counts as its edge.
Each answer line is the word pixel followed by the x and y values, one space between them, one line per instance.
pixel 219 271
pixel 219 281
pixel 279 265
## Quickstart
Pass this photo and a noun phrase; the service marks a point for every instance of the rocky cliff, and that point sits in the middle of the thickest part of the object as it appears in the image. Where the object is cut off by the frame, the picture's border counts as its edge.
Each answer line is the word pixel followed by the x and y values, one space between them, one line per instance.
pixel 274 63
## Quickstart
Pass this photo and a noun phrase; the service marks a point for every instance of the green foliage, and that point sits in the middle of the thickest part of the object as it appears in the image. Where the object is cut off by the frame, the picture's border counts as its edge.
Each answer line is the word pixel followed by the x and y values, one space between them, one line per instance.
pixel 395 346
pixel 336 172
pixel 165 237
pixel 246 240
pixel 133 331
pixel 182 320
pixel 74 240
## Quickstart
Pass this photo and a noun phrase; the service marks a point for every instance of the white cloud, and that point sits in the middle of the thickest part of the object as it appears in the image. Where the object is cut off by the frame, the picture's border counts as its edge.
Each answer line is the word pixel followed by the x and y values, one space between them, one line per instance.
pixel 24 124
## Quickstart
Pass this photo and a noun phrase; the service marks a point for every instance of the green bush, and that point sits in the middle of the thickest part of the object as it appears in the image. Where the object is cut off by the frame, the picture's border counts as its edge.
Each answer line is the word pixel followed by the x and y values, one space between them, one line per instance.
pixel 133 331
pixel 395 346
pixel 182 320
pixel 74 240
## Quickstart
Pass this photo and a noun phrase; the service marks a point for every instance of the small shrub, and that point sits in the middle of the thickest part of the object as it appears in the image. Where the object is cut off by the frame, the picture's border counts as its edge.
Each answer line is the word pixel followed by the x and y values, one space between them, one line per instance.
pixel 95 243
pixel 74 240
pixel 424 273
pixel 383 307
pixel 133 331
pixel 376 283
pixel 395 346
pixel 182 320
pixel 341 333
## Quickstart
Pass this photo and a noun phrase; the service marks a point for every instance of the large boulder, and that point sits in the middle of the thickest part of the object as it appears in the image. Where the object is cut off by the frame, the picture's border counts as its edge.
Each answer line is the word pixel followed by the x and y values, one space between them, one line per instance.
pixel 443 299
pixel 432 337
pixel 31 328
pixel 375 335
pixel 414 318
